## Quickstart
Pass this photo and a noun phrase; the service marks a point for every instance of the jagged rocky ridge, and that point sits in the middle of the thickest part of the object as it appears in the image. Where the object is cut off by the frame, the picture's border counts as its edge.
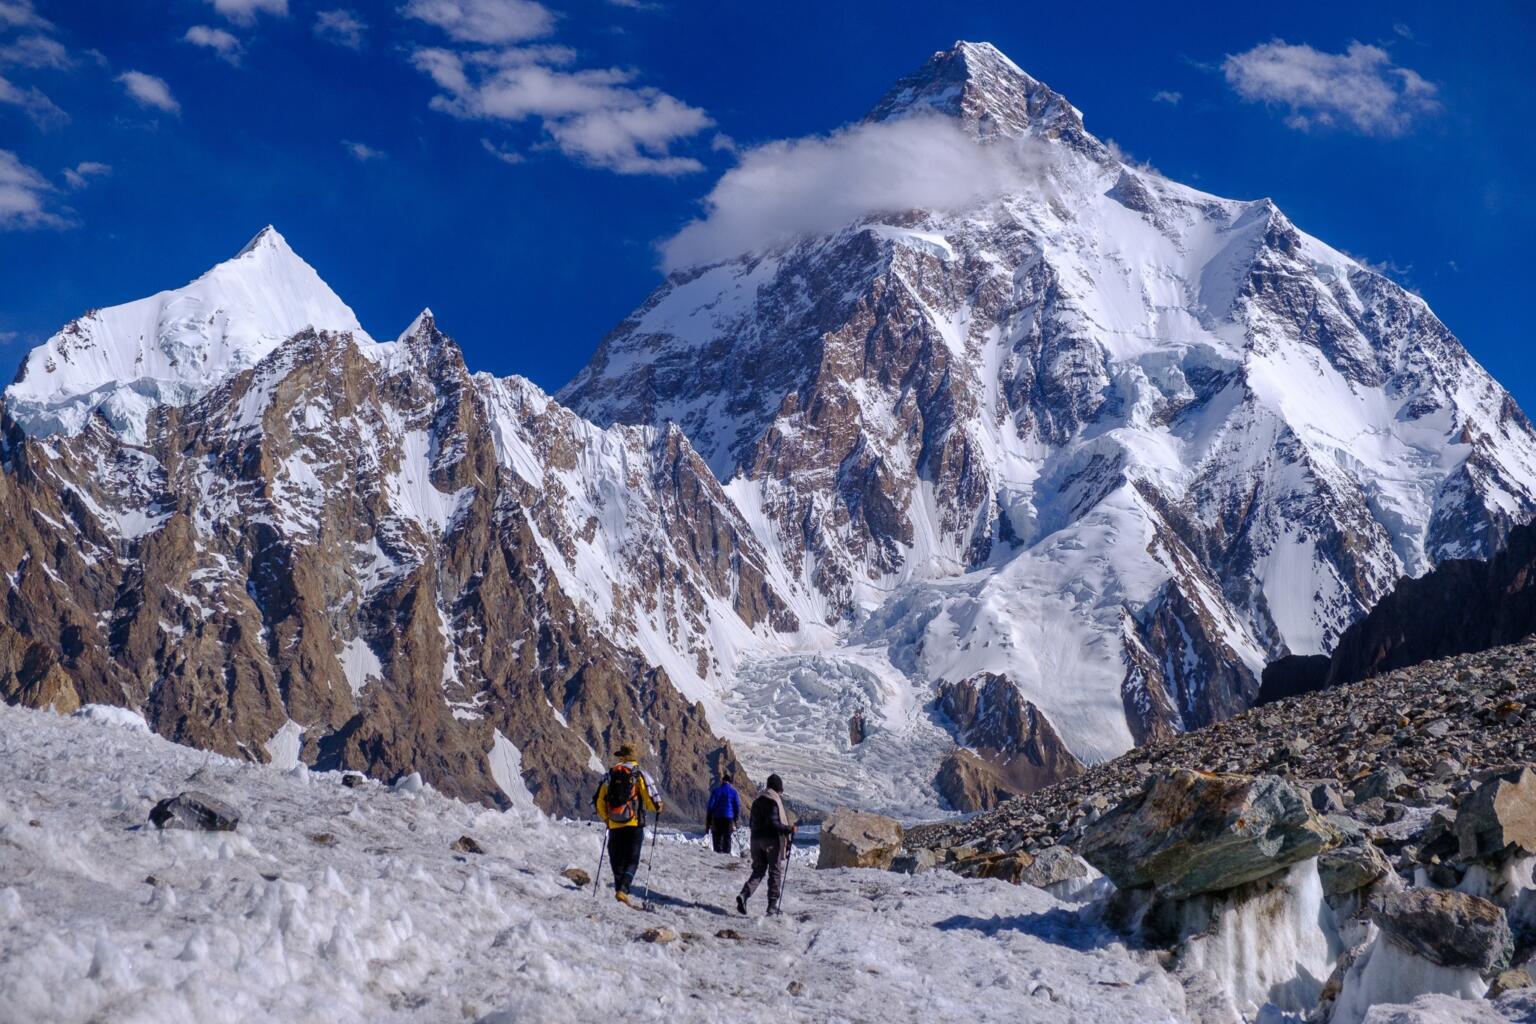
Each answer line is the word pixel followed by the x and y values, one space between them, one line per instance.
pixel 1461 605
pixel 1108 441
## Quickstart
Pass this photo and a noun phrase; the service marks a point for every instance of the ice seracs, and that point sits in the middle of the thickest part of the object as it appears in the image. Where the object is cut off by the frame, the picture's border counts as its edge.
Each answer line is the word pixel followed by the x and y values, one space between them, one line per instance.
pixel 171 348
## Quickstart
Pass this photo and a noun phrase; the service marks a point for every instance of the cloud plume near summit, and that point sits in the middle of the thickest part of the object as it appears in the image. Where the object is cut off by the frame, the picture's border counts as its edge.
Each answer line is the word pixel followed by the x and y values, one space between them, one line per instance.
pixel 819 184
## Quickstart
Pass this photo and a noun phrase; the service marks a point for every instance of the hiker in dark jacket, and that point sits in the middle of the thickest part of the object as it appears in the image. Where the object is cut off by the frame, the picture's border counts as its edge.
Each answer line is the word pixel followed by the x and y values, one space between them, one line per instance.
pixel 772 834
pixel 626 794
pixel 721 813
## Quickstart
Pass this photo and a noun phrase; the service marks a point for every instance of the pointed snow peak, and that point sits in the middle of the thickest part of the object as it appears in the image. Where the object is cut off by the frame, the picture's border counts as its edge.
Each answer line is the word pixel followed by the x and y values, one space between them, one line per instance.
pixel 267 238
pixel 425 321
pixel 991 95
pixel 172 347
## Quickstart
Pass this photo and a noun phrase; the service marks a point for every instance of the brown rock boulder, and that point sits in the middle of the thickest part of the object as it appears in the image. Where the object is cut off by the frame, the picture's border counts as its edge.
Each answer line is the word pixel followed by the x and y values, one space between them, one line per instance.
pixel 1499 814
pixel 854 839
pixel 1190 832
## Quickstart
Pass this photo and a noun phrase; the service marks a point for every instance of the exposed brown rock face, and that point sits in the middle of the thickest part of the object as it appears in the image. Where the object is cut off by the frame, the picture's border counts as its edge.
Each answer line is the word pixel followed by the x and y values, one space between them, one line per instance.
pixel 1013 748
pixel 339 539
pixel 30 675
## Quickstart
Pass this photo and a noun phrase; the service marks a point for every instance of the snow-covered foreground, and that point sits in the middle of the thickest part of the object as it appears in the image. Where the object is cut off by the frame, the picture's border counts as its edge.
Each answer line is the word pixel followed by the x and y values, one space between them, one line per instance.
pixel 384 922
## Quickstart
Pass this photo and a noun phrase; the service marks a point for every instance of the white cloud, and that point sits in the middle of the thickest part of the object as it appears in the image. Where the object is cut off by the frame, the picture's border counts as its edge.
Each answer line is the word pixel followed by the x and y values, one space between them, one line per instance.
pixel 216 39
pixel 506 156
pixel 42 110
pixel 819 185
pixel 35 51
pixel 1359 89
pixel 243 12
pixel 1167 96
pixel 361 151
pixel 149 91
pixel 6 337
pixel 484 21
pixel 20 14
pixel 81 174
pixel 23 196
pixel 596 116
pixel 341 27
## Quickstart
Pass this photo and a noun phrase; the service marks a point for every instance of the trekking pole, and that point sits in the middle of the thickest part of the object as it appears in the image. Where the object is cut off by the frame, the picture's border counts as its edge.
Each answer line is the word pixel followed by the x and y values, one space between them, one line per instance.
pixel 597 880
pixel 651 861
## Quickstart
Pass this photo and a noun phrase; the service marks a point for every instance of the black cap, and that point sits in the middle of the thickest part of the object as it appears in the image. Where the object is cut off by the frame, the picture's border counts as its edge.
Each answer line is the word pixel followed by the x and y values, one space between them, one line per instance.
pixel 775 783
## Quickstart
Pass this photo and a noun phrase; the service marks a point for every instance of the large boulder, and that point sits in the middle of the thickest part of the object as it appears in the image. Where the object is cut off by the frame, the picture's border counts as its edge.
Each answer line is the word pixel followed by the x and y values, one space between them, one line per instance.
pixel 1447 928
pixel 197 811
pixel 1350 868
pixel 854 839
pixel 1191 832
pixel 1499 814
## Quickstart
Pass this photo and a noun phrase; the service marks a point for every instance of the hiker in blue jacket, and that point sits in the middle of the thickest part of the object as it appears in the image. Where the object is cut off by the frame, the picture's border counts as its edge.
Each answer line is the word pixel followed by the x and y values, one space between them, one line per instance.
pixel 722 811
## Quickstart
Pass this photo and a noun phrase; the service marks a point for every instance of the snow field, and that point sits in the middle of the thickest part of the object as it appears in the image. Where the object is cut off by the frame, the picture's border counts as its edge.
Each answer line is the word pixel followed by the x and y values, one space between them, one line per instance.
pixel 335 904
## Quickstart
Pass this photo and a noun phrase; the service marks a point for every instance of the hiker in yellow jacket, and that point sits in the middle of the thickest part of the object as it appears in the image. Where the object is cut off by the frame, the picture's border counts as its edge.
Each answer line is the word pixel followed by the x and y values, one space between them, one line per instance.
pixel 622 801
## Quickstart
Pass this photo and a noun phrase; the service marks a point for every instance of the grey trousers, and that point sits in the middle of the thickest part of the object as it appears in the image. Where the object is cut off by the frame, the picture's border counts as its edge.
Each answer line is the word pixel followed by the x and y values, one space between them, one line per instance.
pixel 768 858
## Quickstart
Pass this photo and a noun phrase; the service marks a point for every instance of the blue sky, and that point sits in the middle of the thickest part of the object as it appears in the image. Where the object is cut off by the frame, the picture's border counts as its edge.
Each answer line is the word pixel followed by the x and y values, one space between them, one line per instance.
pixel 513 164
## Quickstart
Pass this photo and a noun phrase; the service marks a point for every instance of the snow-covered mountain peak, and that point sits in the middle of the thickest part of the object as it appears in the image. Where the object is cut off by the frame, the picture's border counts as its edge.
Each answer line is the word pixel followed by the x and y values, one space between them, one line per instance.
pixel 177 345
pixel 991 95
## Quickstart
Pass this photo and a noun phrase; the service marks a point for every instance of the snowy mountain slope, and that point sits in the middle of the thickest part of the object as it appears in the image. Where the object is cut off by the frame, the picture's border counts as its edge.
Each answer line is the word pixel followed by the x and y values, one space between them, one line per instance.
pixel 330 903
pixel 172 347
pixel 1074 426
pixel 1128 441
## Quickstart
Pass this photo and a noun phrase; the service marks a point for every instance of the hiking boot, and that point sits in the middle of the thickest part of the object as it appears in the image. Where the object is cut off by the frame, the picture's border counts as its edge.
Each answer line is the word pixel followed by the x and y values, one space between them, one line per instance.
pixel 774 911
pixel 623 897
pixel 741 905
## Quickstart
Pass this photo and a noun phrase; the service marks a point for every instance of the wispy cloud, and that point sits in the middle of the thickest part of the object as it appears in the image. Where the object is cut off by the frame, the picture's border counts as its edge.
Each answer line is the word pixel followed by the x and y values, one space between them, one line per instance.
pixel 21 14
pixel 1360 90
pixel 244 12
pixel 80 175
pixel 149 91
pixel 35 51
pixel 341 27
pixel 24 195
pixel 216 39
pixel 484 21
pixel 1167 96
pixel 506 156
pixel 361 151
pixel 599 117
pixel 32 102
pixel 783 190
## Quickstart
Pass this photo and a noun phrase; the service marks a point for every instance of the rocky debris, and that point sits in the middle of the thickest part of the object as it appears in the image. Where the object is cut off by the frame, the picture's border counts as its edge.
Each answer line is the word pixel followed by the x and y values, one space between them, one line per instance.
pixel 911 862
pixel 466 844
pixel 1054 866
pixel 1450 929
pixel 353 779
pixel 578 876
pixel 858 730
pixel 1350 868
pixel 854 839
pixel 1510 980
pixel 1008 746
pixel 730 934
pixel 1500 813
pixel 1390 721
pixel 660 935
pixel 1189 833
pixel 193 810
pixel 323 838
pixel 1386 784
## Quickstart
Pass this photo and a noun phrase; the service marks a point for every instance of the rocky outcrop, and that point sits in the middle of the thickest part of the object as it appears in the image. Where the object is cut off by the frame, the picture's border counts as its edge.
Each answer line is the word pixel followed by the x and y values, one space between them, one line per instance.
pixel 853 839
pixel 1498 816
pixel 1189 833
pixel 1009 747
pixel 30 675
pixel 196 811
pixel 1450 929
pixel 1460 606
